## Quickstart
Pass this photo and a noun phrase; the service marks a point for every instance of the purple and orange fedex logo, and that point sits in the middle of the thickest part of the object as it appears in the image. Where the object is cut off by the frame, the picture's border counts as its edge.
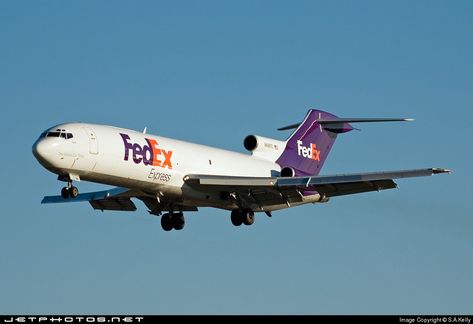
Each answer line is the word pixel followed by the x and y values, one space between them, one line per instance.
pixel 309 152
pixel 149 154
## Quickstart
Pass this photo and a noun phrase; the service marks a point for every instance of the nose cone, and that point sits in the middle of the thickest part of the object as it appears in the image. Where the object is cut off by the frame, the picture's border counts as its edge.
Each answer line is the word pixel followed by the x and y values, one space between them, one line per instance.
pixel 43 150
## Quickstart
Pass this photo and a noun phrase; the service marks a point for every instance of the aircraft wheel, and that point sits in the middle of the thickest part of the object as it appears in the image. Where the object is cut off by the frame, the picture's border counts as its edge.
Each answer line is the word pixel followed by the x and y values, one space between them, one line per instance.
pixel 248 217
pixel 178 221
pixel 73 192
pixel 65 193
pixel 236 217
pixel 166 222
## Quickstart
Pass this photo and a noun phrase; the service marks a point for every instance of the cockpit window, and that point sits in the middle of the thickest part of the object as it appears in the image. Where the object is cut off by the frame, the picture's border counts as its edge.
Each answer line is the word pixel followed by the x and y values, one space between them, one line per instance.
pixel 60 133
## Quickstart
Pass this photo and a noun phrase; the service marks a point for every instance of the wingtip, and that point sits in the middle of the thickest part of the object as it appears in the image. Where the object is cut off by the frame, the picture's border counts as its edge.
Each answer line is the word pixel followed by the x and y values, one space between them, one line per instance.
pixel 409 119
pixel 441 170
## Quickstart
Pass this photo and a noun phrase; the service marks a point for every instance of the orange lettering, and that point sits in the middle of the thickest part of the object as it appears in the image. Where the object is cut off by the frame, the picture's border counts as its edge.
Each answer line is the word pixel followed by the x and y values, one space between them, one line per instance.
pixel 156 152
pixel 315 153
pixel 167 159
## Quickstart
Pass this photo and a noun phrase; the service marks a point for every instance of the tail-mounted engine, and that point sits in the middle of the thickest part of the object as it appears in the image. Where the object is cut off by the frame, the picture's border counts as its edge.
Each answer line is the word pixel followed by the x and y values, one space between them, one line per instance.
pixel 263 147
pixel 288 172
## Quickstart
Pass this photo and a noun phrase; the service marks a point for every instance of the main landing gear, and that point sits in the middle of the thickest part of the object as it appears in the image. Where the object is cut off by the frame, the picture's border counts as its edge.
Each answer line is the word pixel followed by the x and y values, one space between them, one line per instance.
pixel 171 221
pixel 70 191
pixel 245 216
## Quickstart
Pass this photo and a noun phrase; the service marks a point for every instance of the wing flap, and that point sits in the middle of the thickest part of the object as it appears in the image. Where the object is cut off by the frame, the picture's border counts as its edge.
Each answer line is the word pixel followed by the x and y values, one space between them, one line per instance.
pixel 157 207
pixel 350 188
pixel 121 204
pixel 230 181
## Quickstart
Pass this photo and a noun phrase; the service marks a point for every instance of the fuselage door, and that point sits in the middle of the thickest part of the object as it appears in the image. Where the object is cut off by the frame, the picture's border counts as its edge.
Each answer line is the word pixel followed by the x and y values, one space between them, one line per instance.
pixel 93 143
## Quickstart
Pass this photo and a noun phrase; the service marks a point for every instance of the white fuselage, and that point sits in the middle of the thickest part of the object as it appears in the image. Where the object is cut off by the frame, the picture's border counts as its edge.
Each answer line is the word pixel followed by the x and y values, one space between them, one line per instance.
pixel 145 162
pixel 172 177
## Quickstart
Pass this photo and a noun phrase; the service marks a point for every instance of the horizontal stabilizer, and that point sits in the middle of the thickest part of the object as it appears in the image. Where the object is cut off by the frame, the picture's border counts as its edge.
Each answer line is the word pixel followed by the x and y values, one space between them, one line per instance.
pixel 350 120
pixel 363 120
pixel 293 126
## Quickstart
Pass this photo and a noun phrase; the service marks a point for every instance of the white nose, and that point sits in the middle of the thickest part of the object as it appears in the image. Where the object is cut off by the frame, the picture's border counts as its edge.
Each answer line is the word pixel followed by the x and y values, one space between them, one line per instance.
pixel 43 150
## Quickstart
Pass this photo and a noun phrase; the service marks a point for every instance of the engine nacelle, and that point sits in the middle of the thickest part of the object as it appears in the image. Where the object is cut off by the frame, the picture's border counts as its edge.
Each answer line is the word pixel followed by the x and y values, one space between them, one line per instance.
pixel 288 172
pixel 263 147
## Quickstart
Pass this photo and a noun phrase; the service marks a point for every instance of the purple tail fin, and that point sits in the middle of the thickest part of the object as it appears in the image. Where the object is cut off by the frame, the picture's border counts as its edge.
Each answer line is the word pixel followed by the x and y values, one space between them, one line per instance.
pixel 309 145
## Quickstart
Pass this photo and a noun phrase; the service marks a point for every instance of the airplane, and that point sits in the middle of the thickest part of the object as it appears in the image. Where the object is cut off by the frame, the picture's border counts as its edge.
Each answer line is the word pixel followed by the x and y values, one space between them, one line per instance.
pixel 172 177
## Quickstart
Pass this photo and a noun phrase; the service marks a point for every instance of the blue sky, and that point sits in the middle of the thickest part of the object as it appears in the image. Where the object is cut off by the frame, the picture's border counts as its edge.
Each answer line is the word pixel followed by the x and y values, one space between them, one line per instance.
pixel 213 72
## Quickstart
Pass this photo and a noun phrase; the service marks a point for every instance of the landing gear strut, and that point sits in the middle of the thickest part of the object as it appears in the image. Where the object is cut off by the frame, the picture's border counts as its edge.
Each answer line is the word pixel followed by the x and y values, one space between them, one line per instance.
pixel 70 191
pixel 245 216
pixel 171 221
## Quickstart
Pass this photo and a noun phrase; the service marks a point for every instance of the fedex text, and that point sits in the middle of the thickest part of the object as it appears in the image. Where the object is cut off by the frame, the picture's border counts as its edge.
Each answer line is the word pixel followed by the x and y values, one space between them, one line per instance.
pixel 309 152
pixel 148 154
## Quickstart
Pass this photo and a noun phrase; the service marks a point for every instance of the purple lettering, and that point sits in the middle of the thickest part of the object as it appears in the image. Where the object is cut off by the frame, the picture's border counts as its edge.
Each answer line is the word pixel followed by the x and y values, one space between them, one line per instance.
pixel 148 151
pixel 128 145
pixel 137 152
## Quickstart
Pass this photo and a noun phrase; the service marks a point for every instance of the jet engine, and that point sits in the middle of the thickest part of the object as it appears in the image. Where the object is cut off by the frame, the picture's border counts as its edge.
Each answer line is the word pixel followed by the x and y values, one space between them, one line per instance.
pixel 263 147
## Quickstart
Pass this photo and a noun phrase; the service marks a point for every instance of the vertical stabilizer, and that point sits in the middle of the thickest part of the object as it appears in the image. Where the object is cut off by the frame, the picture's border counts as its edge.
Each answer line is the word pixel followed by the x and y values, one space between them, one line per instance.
pixel 309 145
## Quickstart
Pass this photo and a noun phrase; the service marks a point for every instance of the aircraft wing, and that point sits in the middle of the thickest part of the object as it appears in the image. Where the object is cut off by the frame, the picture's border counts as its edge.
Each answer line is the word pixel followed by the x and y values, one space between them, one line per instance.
pixel 119 199
pixel 339 185
pixel 113 199
pixel 259 192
